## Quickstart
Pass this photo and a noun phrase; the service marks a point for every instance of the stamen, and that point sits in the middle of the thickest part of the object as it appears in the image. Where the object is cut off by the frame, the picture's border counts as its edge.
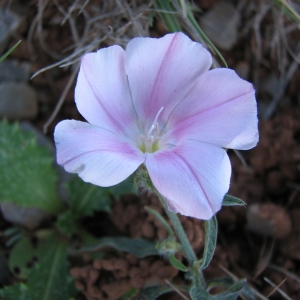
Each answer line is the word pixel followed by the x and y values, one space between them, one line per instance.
pixel 154 124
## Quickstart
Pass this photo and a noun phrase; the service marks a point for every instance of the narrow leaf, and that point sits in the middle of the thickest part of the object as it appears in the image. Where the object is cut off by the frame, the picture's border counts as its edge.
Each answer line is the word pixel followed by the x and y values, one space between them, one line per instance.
pixel 154 292
pixel 232 201
pixel 211 232
pixel 177 264
pixel 13 292
pixel 161 219
pixel 10 51
pixel 232 292
pixel 138 247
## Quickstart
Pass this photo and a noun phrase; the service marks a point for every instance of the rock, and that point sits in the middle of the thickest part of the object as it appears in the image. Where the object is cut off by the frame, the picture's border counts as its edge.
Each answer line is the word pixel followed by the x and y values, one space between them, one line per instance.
pixel 18 101
pixel 9 22
pixel 11 70
pixel 28 217
pixel 269 220
pixel 220 24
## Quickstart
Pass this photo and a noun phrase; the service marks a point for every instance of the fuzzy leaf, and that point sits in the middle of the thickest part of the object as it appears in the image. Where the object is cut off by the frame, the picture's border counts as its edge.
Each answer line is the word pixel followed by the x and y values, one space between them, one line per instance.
pixel 232 293
pixel 138 247
pixel 177 264
pixel 27 177
pixel 211 232
pixel 232 201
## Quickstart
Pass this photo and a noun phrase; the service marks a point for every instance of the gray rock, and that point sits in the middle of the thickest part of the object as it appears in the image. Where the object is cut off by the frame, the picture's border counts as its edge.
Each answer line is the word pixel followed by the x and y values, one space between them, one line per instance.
pixel 18 101
pixel 220 24
pixel 28 217
pixel 12 70
pixel 9 22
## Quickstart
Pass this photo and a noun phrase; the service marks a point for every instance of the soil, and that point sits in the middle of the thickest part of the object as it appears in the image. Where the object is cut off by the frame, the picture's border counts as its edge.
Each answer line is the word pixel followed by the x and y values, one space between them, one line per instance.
pixel 260 242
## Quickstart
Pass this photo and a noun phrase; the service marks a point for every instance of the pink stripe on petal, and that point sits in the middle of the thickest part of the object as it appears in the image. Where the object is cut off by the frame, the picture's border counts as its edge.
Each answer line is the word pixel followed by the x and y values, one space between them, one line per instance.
pixel 194 177
pixel 220 109
pixel 102 93
pixel 161 72
pixel 96 154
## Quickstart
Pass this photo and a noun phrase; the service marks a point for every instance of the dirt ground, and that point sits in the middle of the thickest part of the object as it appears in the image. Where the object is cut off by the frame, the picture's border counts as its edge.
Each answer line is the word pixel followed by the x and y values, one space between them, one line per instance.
pixel 260 242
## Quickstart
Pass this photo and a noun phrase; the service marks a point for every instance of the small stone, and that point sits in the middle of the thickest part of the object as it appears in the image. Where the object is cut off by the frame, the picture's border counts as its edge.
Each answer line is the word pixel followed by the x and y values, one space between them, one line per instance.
pixel 9 22
pixel 12 70
pixel 269 220
pixel 18 101
pixel 220 24
pixel 28 217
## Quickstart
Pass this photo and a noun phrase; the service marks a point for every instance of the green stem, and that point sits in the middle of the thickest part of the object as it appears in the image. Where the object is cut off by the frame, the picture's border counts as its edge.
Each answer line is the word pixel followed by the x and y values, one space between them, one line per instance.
pixel 189 252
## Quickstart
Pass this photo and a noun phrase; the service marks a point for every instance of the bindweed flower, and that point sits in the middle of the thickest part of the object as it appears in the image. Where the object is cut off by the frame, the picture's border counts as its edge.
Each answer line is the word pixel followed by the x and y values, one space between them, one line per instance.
pixel 158 104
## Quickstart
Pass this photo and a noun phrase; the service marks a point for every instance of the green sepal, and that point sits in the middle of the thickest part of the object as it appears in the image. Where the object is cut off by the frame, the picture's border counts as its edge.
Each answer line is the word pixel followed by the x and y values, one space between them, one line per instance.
pixel 232 201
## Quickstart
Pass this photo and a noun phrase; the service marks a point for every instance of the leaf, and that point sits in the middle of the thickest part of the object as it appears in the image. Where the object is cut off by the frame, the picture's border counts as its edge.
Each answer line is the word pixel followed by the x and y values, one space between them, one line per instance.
pixel 10 51
pixel 138 247
pixel 50 278
pixel 24 253
pixel 177 264
pixel 232 292
pixel 151 293
pixel 124 187
pixel 13 292
pixel 232 201
pixel 27 177
pixel 161 219
pixel 211 232
pixel 168 15
pixel 197 292
pixel 85 198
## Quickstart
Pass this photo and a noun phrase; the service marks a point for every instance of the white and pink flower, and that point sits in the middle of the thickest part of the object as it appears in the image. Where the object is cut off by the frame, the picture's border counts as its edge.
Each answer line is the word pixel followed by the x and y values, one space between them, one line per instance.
pixel 158 104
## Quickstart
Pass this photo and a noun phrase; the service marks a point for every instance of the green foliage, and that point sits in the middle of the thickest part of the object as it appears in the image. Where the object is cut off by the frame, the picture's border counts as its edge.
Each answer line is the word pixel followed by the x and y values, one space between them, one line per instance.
pixel 232 201
pixel 27 177
pixel 10 51
pixel 211 233
pixel 48 279
pixel 177 264
pixel 153 292
pixel 138 247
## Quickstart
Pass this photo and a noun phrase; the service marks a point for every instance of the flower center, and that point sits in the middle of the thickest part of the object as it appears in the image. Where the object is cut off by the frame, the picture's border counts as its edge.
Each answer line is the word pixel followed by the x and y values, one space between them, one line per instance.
pixel 149 141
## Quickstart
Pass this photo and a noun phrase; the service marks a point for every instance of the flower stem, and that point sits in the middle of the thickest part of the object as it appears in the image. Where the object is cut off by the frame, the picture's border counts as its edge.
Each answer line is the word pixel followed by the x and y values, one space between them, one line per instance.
pixel 189 252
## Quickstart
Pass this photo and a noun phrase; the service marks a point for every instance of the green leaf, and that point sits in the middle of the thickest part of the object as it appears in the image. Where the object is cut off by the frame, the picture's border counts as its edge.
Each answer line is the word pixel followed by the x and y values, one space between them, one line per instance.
pixel 138 247
pixel 10 51
pixel 13 292
pixel 124 187
pixel 197 292
pixel 232 292
pixel 27 177
pixel 50 278
pixel 24 253
pixel 85 198
pixel 168 15
pixel 177 264
pixel 161 219
pixel 232 201
pixel 211 233
pixel 154 292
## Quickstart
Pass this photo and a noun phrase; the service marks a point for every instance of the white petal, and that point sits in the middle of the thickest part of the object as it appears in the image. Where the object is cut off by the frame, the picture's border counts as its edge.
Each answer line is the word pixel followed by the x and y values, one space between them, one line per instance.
pixel 97 155
pixel 194 177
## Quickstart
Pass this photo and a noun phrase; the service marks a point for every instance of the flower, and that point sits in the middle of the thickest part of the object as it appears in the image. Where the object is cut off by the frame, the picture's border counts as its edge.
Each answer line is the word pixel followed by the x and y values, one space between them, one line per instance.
pixel 158 104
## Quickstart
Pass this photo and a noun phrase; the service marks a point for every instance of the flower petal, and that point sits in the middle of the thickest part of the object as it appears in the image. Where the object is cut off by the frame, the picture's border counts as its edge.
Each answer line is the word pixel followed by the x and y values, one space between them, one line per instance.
pixel 161 72
pixel 194 177
pixel 96 154
pixel 220 109
pixel 102 93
